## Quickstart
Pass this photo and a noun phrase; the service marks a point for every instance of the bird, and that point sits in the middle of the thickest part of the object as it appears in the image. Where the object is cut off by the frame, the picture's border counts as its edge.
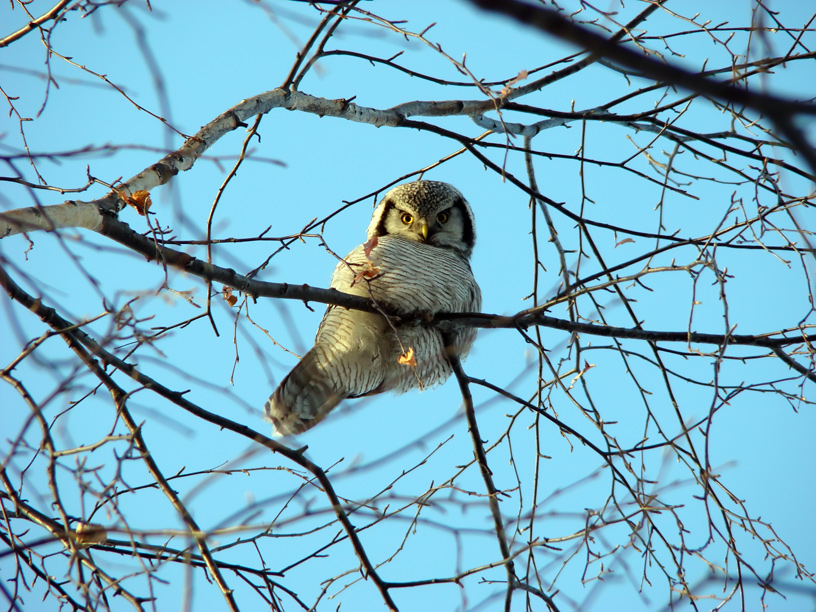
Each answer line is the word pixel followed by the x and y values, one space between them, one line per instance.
pixel 415 264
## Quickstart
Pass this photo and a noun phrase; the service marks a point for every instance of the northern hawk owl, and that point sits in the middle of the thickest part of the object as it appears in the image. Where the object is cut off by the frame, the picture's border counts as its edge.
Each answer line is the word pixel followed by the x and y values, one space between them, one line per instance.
pixel 416 262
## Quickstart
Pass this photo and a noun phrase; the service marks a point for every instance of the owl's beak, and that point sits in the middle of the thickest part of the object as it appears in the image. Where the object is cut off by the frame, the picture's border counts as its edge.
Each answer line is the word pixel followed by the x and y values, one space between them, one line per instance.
pixel 423 229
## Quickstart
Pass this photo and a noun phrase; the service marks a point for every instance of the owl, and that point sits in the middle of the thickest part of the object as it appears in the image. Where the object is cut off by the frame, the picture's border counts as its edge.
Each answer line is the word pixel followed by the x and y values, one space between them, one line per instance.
pixel 416 262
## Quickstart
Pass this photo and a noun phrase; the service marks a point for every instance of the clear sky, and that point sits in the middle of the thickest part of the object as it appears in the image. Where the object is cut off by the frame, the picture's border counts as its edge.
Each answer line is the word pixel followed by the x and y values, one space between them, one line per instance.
pixel 190 61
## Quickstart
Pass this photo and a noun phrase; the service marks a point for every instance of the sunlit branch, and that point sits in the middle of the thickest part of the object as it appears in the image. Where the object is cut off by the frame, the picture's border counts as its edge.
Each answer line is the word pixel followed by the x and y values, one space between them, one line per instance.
pixel 52 13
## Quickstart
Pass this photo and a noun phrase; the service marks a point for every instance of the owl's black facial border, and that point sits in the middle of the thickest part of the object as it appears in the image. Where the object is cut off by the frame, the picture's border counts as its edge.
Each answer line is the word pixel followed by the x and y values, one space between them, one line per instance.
pixel 468 231
pixel 381 230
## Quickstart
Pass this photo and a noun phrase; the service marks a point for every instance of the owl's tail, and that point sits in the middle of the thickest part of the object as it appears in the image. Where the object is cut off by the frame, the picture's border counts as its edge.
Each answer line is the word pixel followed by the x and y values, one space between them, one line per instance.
pixel 305 396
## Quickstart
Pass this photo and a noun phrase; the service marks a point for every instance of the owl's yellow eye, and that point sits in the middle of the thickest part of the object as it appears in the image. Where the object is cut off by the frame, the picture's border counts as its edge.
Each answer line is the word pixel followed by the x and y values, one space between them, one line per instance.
pixel 407 218
pixel 442 217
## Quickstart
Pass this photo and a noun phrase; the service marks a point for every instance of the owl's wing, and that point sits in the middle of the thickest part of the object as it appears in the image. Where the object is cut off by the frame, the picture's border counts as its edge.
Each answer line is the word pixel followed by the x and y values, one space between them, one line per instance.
pixel 345 362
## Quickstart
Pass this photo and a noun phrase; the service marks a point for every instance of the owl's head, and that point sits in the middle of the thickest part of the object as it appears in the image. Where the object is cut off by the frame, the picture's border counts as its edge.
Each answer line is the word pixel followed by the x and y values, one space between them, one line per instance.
pixel 426 211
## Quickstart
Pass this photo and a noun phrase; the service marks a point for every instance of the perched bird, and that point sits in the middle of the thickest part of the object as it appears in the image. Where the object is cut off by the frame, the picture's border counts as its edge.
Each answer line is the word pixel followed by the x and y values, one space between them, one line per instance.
pixel 416 262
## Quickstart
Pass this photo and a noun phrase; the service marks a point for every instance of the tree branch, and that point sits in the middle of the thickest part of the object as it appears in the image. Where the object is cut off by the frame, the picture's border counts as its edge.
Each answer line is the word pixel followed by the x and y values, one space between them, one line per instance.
pixel 779 109
pixel 487 475
pixel 124 234
pixel 34 23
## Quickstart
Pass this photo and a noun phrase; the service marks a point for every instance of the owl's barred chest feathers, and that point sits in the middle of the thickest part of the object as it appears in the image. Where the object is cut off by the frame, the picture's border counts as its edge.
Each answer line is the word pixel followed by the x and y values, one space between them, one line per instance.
pixel 416 262
pixel 410 277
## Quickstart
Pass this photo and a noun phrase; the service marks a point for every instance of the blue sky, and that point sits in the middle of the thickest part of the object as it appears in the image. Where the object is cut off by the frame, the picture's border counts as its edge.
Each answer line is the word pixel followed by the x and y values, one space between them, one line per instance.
pixel 211 58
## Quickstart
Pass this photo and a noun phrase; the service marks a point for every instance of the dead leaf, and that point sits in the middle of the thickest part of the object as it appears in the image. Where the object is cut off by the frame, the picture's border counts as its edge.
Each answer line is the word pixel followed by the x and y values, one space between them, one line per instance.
pixel 88 533
pixel 516 79
pixel 226 293
pixel 367 270
pixel 140 200
pixel 407 358
pixel 369 246
pixel 624 241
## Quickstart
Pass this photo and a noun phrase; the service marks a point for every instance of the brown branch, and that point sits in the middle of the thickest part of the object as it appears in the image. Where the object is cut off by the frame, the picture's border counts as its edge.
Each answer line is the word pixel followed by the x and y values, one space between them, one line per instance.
pixel 119 398
pixel 35 23
pixel 536 316
pixel 65 536
pixel 124 234
pixel 587 61
pixel 807 372
pixel 487 475
pixel 555 23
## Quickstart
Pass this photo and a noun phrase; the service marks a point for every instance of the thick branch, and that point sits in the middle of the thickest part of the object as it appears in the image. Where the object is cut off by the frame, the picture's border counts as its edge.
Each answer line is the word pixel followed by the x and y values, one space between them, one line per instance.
pixel 124 234
pixel 533 317
pixel 557 24
pixel 49 218
pixel 88 214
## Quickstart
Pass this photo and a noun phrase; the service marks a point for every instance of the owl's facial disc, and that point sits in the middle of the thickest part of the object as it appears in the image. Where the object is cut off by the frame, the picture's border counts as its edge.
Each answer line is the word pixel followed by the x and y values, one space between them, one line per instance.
pixel 443 229
pixel 446 228
pixel 430 212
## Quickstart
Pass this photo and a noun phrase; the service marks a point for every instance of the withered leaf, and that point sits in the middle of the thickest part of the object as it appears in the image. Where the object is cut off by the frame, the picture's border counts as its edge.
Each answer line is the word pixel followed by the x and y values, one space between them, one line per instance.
pixel 369 246
pixel 408 358
pixel 88 533
pixel 226 293
pixel 140 200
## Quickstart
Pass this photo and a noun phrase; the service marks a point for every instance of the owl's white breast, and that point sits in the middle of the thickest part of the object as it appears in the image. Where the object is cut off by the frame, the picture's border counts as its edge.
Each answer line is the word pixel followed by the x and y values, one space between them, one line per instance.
pixel 410 276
